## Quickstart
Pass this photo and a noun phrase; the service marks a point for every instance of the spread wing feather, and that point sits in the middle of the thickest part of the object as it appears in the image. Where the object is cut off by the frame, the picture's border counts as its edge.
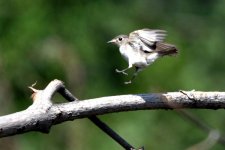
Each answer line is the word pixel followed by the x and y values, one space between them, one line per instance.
pixel 146 38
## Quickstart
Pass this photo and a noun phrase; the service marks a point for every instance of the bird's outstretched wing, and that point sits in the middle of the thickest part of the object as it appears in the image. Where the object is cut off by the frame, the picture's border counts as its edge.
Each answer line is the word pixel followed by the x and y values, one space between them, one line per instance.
pixel 146 38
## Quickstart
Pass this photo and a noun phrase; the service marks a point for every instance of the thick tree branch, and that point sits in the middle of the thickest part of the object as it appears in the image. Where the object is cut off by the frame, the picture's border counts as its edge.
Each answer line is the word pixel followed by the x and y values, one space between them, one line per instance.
pixel 104 127
pixel 42 114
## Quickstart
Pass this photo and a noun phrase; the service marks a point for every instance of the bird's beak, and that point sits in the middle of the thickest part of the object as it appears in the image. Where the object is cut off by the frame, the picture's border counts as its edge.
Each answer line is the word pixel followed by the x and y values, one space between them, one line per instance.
pixel 112 41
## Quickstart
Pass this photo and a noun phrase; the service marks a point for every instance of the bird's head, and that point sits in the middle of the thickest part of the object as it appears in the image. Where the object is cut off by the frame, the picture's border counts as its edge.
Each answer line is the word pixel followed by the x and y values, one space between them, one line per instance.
pixel 119 40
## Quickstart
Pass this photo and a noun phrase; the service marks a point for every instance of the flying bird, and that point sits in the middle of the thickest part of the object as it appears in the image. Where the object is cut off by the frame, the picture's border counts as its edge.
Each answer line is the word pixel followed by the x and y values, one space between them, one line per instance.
pixel 141 48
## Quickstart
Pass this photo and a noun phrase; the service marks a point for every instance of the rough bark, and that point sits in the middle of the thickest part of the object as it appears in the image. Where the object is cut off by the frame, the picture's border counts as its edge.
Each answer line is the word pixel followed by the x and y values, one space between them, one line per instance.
pixel 42 114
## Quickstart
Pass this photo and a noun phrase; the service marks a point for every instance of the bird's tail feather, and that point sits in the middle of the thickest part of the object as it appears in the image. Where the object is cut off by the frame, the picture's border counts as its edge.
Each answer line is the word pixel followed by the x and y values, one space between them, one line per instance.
pixel 164 49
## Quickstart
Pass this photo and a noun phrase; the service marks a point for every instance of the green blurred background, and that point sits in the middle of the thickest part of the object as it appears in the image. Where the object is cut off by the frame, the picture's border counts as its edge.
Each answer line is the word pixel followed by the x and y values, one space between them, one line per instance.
pixel 42 40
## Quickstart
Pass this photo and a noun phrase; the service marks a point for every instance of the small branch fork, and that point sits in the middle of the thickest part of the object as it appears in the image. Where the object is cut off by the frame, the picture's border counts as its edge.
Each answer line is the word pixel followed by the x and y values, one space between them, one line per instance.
pixel 43 114
pixel 42 102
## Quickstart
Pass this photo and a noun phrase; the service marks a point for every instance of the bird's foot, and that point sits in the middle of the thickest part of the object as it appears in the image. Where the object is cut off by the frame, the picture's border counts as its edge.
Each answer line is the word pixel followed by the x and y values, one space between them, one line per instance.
pixel 121 71
pixel 128 82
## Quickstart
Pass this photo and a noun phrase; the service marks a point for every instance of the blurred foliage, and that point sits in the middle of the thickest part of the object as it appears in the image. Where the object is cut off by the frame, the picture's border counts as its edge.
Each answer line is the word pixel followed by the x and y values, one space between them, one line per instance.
pixel 42 40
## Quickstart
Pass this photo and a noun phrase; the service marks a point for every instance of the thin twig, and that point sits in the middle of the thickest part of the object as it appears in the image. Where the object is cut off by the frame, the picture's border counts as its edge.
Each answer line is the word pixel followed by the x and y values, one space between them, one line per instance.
pixel 190 95
pixel 104 127
pixel 200 124
pixel 111 133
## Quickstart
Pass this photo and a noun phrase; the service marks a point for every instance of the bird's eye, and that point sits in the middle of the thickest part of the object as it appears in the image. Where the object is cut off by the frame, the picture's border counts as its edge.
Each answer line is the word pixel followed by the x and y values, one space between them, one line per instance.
pixel 120 39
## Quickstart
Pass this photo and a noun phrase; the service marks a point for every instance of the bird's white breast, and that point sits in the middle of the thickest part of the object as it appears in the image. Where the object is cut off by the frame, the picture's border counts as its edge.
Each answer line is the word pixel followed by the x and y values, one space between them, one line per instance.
pixel 132 56
pixel 125 51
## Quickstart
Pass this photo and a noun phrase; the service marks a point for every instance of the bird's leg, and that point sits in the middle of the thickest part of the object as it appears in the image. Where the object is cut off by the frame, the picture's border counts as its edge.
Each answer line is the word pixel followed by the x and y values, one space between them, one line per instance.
pixel 123 71
pixel 133 76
